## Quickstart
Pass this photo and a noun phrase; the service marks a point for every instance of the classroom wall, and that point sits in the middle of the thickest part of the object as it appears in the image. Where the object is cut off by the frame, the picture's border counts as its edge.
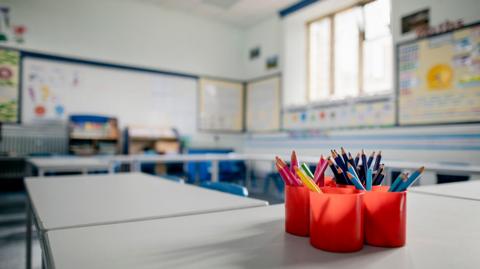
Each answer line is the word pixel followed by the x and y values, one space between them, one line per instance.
pixel 138 33
pixel 442 143
pixel 267 35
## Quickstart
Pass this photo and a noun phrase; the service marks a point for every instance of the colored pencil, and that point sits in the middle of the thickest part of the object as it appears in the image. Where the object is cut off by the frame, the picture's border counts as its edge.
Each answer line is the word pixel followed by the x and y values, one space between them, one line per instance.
pixel 357 159
pixel 370 159
pixel 319 175
pixel 334 169
pixel 355 181
pixel 364 163
pixel 283 175
pixel 307 170
pixel 411 179
pixel 380 178
pixel 343 176
pixel 293 178
pixel 352 171
pixel 293 161
pixel 368 180
pixel 338 160
pixel 397 182
pixel 344 155
pixel 378 158
pixel 377 175
pixel 350 160
pixel 306 181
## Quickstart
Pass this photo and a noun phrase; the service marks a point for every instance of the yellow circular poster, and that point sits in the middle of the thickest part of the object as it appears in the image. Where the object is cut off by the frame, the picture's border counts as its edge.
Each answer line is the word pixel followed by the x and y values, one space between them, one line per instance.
pixel 440 77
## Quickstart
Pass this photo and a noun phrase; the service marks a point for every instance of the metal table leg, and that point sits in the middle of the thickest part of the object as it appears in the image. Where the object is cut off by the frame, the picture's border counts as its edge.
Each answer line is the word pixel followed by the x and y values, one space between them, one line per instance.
pixel 28 239
pixel 215 171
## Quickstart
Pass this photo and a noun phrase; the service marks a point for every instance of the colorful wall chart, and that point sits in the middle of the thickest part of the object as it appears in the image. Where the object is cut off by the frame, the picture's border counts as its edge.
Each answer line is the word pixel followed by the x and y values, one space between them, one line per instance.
pixel 9 88
pixel 46 86
pixel 361 114
pixel 439 78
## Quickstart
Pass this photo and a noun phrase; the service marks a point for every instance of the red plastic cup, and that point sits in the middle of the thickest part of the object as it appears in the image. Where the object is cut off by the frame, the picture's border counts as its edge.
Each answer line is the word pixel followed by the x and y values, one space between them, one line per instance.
pixel 385 217
pixel 336 219
pixel 297 210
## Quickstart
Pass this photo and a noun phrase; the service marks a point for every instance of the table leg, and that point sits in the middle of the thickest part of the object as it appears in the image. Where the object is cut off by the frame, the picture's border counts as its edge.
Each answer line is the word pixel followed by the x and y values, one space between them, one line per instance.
pixel 41 172
pixel 215 171
pixel 248 179
pixel 28 239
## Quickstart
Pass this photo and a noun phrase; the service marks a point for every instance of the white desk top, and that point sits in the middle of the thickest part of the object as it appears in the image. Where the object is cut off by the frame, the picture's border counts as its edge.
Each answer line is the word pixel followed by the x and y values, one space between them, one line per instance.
pixel 465 190
pixel 69 163
pixel 72 201
pixel 442 233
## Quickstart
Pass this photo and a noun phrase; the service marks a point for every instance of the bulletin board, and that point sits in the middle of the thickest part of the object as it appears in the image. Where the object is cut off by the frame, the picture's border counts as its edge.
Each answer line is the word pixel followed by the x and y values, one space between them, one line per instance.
pixel 439 78
pixel 9 85
pixel 54 88
pixel 221 105
pixel 263 105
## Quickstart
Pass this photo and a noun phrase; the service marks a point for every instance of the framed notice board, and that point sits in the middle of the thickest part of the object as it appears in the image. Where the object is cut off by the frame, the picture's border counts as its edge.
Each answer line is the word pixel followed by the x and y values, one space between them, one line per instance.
pixel 263 105
pixel 439 78
pixel 221 105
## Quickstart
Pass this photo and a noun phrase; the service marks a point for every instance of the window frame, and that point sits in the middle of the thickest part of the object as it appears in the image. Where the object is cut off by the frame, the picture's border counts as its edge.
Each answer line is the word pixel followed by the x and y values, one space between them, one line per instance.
pixel 361 91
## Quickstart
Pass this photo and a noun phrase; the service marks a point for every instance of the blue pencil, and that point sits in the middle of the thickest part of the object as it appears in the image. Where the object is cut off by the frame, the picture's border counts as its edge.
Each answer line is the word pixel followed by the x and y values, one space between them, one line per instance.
pixel 368 184
pixel 397 182
pixel 370 159
pixel 411 179
pixel 364 164
pixel 355 181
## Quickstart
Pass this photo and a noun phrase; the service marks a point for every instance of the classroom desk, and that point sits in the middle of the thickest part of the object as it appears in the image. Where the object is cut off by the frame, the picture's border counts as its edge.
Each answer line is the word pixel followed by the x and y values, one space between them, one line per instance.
pixel 464 190
pixel 136 160
pixel 69 164
pixel 77 201
pixel 442 233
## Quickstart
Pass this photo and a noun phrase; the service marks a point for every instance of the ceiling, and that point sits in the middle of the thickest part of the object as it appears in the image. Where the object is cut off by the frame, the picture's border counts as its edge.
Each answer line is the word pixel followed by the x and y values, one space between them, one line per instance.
pixel 242 13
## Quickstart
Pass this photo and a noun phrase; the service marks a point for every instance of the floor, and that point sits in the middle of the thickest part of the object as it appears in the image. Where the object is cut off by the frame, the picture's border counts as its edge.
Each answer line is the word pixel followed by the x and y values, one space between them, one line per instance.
pixel 13 219
pixel 12 232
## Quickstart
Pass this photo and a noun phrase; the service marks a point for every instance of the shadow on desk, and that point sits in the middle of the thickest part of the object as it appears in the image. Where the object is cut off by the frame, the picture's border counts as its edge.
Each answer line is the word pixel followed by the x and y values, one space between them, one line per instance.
pixel 266 245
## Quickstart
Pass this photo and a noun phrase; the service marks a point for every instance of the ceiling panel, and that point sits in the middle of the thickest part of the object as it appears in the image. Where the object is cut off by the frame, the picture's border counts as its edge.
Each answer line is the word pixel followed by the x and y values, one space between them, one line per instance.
pixel 242 13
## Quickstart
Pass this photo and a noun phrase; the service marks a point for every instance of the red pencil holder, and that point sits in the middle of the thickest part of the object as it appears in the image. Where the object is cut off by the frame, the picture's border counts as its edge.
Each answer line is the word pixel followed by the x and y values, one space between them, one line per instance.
pixel 385 217
pixel 336 219
pixel 297 210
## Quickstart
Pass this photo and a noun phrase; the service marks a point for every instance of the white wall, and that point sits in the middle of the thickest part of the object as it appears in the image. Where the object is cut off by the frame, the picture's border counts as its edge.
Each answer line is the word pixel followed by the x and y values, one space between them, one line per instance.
pixel 268 36
pixel 131 32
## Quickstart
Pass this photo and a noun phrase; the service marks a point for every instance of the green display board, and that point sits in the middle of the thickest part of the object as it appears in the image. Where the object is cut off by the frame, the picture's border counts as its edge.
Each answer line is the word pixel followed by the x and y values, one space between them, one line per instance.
pixel 9 88
pixel 439 78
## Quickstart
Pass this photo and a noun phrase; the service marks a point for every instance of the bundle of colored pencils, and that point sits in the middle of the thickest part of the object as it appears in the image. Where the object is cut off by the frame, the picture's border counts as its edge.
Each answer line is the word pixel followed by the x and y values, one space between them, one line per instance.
pixel 300 175
pixel 360 172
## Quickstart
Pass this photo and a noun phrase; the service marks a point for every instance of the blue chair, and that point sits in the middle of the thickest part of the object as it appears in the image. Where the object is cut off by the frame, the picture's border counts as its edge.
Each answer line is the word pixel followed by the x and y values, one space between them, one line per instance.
pixel 277 181
pixel 231 188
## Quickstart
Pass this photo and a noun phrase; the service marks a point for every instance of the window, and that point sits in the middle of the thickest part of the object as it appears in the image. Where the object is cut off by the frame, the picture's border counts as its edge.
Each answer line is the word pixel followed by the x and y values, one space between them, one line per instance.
pixel 350 53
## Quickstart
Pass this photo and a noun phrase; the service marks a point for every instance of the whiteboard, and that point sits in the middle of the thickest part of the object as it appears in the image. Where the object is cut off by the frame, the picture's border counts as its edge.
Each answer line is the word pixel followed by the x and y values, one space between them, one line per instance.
pixel 221 105
pixel 439 78
pixel 54 89
pixel 263 105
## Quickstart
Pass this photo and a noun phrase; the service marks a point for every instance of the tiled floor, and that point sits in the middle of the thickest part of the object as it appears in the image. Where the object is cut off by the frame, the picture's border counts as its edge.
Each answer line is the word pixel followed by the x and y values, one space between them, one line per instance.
pixel 12 233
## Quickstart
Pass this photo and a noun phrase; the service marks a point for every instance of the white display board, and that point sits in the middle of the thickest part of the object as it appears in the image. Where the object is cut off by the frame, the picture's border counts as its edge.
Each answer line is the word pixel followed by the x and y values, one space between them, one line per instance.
pixel 54 89
pixel 221 105
pixel 263 105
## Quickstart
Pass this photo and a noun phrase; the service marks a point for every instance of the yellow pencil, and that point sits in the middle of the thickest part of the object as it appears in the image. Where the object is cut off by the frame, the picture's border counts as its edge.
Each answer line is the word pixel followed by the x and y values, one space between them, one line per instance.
pixel 306 181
